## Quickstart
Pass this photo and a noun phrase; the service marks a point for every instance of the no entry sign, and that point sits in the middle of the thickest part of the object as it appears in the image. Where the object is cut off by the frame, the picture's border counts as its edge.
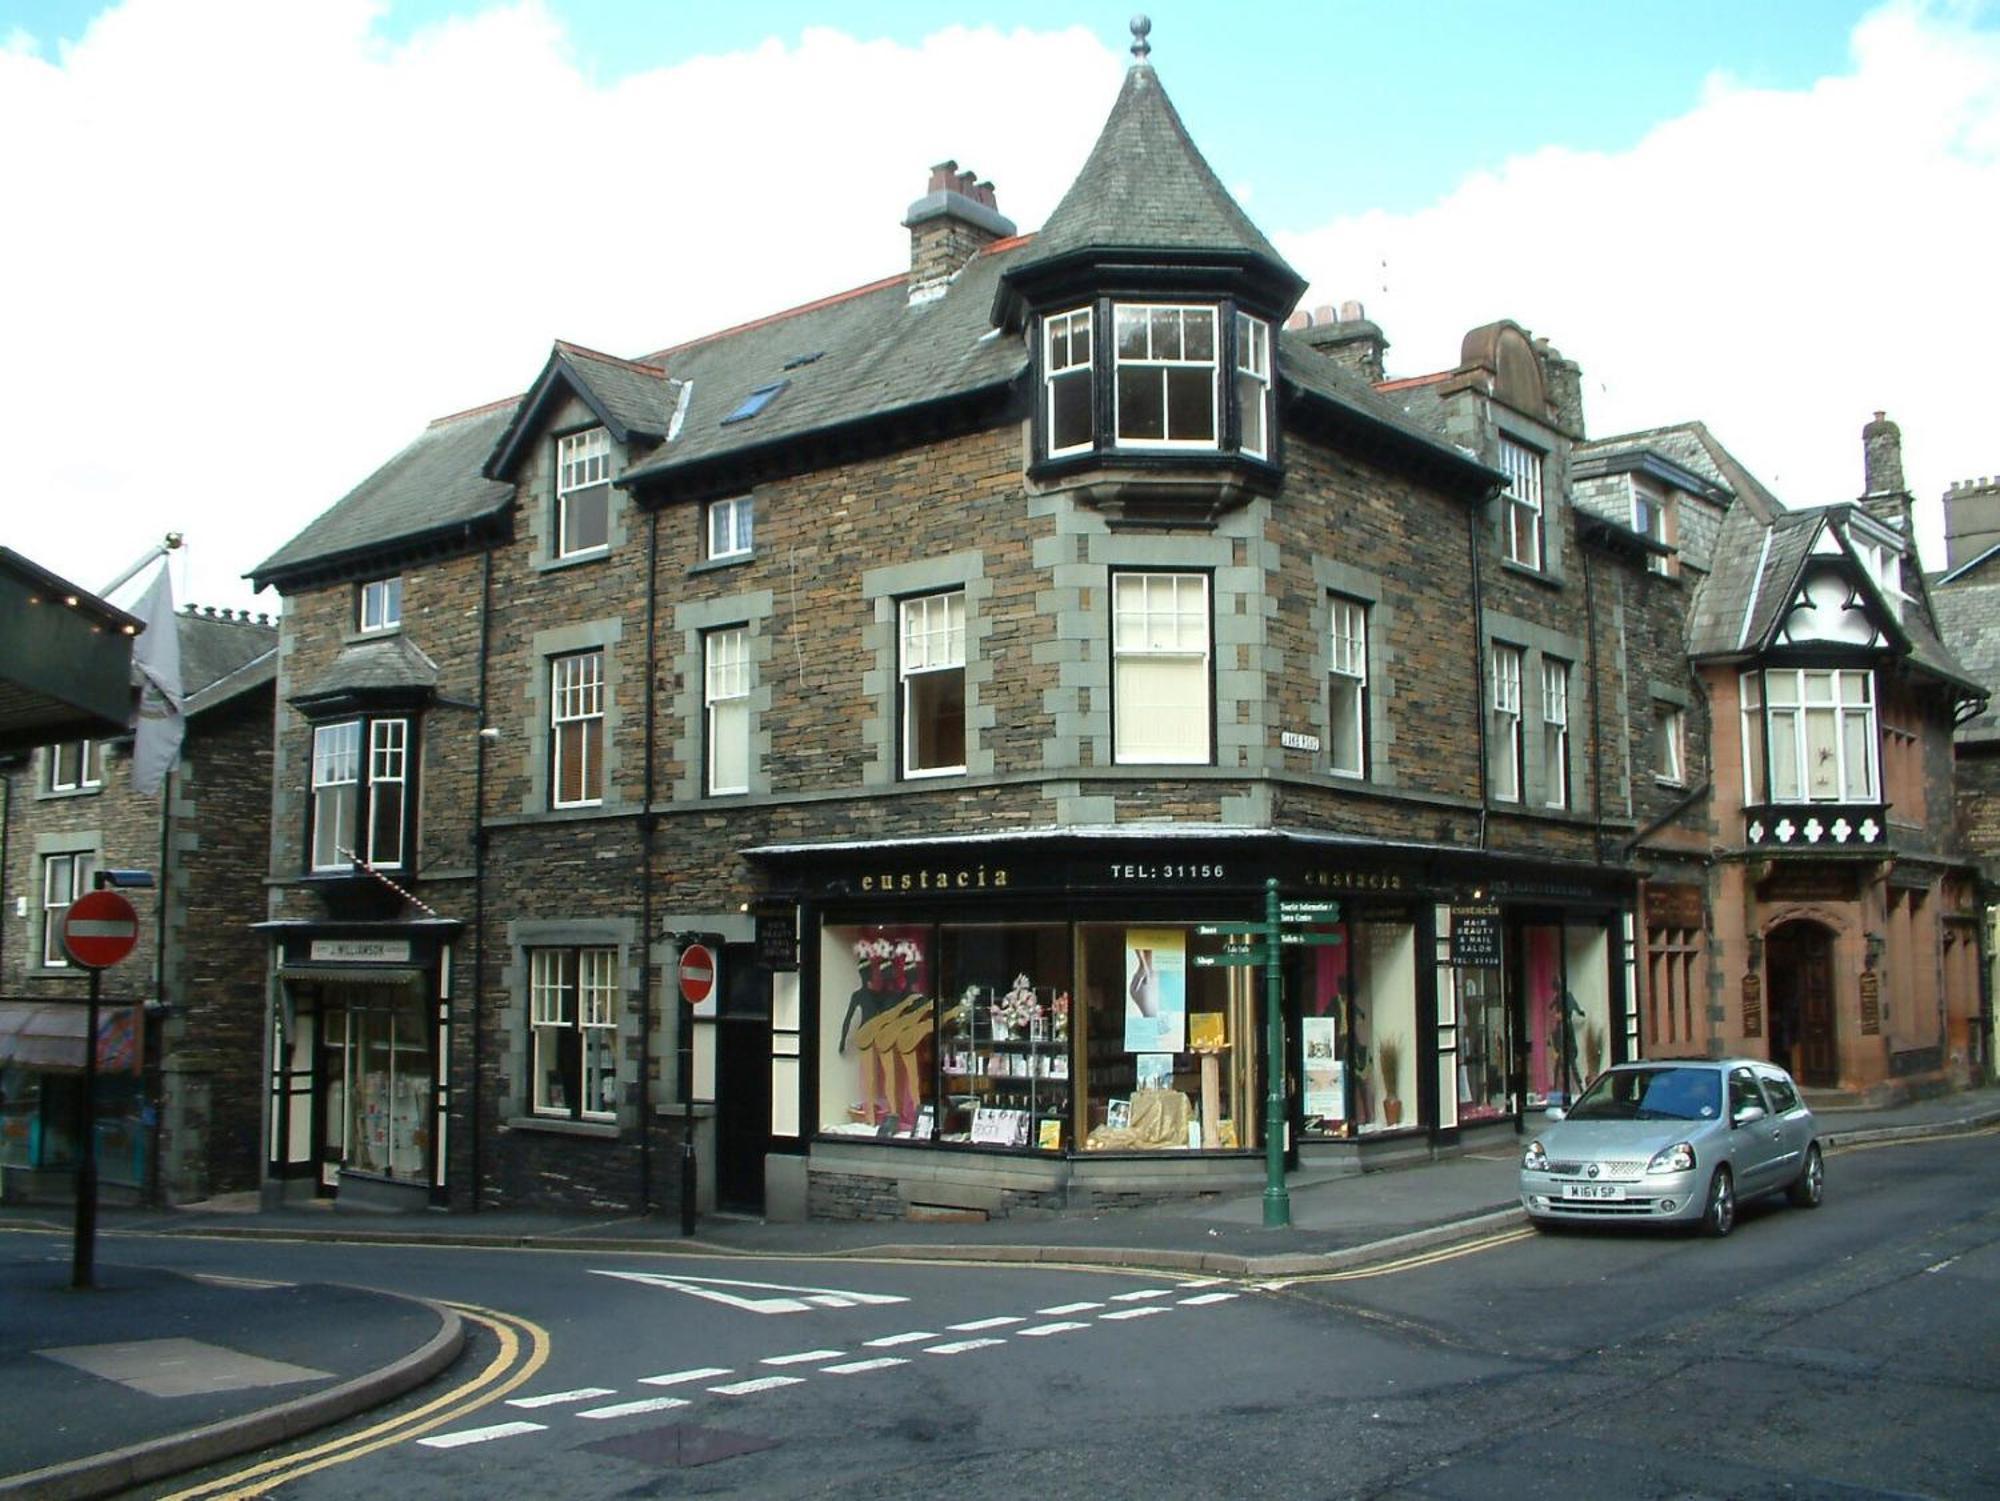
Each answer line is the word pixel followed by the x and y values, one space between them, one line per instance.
pixel 100 929
pixel 697 973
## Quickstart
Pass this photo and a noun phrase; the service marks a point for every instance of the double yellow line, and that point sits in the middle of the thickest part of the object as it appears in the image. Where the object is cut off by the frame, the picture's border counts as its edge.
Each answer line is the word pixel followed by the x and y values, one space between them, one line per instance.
pixel 523 1350
pixel 1409 1263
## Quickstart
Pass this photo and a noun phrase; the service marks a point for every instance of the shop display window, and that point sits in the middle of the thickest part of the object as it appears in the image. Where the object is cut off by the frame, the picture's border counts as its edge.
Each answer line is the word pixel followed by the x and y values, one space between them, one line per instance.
pixel 1358 1031
pixel 379 1082
pixel 1485 1043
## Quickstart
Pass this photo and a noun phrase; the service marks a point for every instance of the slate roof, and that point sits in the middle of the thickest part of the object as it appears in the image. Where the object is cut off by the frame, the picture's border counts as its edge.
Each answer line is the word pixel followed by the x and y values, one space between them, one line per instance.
pixel 1694 448
pixel 390 664
pixel 1147 187
pixel 432 486
pixel 223 656
pixel 632 399
pixel 1968 616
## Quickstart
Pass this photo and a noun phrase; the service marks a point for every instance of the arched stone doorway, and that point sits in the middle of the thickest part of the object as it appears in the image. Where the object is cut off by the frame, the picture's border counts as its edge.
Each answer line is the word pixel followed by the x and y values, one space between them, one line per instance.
pixel 1798 978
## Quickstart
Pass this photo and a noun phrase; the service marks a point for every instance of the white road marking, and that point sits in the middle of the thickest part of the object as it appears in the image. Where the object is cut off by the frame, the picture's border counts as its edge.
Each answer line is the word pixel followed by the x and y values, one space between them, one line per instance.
pixel 479 1435
pixel 804 1357
pixel 1941 1265
pixel 711 1288
pixel 627 1409
pixel 1202 1299
pixel 1206 1282
pixel 581 1394
pixel 1038 1330
pixel 960 1346
pixel 887 1341
pixel 679 1378
pixel 1000 1323
pixel 1134 1313
pixel 1144 1293
pixel 856 1367
pixel 1062 1308
pixel 761 1384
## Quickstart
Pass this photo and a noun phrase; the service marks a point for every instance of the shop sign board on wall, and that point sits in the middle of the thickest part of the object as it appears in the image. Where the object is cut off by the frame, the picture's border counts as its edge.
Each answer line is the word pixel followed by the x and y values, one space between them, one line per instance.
pixel 1871 1004
pixel 1753 1005
pixel 1475 936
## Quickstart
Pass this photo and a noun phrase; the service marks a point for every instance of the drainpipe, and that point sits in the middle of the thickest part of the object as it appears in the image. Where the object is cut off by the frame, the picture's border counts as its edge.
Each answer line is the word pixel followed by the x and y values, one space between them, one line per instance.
pixel 479 880
pixel 646 875
pixel 1596 713
pixel 1479 652
pixel 158 1102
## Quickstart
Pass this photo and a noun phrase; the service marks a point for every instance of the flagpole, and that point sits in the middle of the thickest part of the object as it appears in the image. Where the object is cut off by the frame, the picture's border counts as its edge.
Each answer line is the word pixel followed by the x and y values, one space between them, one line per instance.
pixel 159 549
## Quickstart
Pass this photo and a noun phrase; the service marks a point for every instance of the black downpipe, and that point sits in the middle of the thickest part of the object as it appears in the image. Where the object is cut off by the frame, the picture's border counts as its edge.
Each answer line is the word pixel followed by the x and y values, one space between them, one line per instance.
pixel 479 882
pixel 1472 518
pixel 646 874
pixel 159 985
pixel 1596 716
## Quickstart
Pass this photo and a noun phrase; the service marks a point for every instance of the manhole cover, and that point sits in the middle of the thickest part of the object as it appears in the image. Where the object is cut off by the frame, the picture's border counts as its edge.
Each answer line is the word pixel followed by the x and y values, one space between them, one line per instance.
pixel 681 1445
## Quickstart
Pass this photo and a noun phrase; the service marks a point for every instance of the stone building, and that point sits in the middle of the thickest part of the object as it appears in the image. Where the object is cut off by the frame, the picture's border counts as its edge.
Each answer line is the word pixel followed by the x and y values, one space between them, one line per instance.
pixel 178 1103
pixel 1843 915
pixel 848 747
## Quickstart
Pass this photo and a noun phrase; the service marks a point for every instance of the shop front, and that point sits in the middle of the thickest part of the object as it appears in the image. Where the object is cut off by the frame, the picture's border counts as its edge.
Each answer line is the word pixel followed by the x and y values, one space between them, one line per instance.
pixel 359 1096
pixel 1066 1021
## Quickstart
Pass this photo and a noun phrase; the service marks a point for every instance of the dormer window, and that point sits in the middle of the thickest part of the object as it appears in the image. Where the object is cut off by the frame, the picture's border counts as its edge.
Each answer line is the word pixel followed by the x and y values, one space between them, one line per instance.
pixel 1162 369
pixel 1649 520
pixel 583 492
pixel 1885 567
pixel 1522 503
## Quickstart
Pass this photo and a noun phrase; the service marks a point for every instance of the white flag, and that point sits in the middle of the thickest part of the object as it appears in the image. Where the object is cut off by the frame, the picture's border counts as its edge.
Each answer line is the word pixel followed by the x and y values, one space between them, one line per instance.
pixel 156 656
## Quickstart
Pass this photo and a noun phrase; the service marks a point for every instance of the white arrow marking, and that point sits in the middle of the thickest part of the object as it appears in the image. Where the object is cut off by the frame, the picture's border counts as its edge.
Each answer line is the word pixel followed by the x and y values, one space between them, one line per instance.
pixel 711 1289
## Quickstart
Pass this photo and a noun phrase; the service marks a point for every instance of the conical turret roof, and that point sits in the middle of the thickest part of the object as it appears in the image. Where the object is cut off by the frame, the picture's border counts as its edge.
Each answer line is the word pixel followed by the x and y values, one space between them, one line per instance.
pixel 1146 195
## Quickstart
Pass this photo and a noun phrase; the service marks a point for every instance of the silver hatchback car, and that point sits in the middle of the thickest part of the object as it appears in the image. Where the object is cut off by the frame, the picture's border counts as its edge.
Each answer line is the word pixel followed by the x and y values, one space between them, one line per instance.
pixel 1674 1142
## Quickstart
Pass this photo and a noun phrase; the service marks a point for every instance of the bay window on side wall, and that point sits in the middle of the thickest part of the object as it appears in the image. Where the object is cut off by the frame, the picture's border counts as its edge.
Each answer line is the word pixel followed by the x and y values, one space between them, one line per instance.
pixel 1816 727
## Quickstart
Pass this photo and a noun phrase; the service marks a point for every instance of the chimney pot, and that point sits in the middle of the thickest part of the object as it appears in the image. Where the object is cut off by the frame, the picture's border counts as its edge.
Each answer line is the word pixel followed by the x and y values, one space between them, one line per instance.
pixel 941 177
pixel 1322 314
pixel 1352 312
pixel 1300 319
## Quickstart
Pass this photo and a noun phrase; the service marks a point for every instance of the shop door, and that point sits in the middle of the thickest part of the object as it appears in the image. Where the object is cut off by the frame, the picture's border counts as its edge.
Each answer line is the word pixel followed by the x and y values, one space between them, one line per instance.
pixel 1798 968
pixel 742 1081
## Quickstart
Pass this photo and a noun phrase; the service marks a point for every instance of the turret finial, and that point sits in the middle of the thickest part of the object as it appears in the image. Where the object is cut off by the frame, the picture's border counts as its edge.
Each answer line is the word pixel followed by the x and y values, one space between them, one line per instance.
pixel 1141 27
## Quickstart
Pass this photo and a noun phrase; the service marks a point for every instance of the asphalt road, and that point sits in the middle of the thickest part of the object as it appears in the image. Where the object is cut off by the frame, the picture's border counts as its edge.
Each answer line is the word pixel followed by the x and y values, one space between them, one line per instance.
pixel 1844 1352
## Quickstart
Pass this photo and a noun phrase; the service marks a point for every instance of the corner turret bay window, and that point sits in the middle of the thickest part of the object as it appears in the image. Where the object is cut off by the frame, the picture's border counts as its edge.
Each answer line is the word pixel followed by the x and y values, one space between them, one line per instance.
pixel 1818 727
pixel 1165 364
pixel 1521 503
pixel 583 492
pixel 572 995
pixel 1555 731
pixel 1347 689
pixel 933 671
pixel 1161 678
pixel 576 725
pixel 350 794
pixel 1504 751
pixel 726 693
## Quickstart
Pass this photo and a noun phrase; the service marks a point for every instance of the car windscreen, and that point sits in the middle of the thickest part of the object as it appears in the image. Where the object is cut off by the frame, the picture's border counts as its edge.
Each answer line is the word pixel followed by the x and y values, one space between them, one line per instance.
pixel 1652 1094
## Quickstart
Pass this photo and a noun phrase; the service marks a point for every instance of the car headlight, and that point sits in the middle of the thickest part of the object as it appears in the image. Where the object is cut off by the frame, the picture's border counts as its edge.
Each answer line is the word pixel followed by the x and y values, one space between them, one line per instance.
pixel 1534 1159
pixel 1678 1158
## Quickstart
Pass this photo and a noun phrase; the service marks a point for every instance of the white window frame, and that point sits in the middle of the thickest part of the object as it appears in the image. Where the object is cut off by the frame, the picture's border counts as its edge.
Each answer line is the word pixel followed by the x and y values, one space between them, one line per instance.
pixel 1816 717
pixel 576 701
pixel 583 462
pixel 931 643
pixel 1649 520
pixel 1347 695
pixel 725 657
pixel 1253 385
pixel 1165 366
pixel 1063 361
pixel 89 773
pixel 1505 752
pixel 388 768
pixel 1160 622
pixel 1522 504
pixel 65 877
pixel 574 991
pixel 381 605
pixel 336 795
pixel 1555 731
pixel 1669 743
pixel 732 528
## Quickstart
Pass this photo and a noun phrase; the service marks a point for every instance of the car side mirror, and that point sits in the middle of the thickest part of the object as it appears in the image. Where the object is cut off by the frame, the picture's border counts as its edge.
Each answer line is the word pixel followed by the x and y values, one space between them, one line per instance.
pixel 1556 1112
pixel 1749 1115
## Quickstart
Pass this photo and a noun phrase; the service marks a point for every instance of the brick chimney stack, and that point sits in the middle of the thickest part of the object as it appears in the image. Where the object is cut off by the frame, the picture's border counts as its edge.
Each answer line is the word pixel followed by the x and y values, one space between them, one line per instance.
pixel 1348 337
pixel 1882 456
pixel 954 220
pixel 1971 519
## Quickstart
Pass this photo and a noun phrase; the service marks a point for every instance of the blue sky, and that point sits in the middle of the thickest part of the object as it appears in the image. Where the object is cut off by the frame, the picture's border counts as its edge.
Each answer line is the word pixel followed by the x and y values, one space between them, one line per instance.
pixel 317 225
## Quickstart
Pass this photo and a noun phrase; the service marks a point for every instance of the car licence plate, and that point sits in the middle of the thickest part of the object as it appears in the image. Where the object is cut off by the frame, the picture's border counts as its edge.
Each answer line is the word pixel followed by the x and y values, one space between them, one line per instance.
pixel 1592 1191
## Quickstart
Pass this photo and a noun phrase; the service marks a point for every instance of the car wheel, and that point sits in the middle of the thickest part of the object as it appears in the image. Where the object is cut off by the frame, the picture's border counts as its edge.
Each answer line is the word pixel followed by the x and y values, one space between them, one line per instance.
pixel 1719 1217
pixel 1810 1186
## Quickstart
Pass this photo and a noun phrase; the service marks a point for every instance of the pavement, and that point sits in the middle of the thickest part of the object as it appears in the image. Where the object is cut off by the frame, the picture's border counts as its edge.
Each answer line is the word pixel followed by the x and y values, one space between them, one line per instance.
pixel 152 1373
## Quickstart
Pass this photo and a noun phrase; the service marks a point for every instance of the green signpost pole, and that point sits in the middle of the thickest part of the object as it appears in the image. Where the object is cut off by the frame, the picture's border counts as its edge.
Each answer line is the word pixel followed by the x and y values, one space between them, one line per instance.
pixel 1277 1198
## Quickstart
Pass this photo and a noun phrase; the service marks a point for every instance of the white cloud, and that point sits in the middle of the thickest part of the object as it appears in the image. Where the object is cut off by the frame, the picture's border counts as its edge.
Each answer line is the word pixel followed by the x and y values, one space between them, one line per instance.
pixel 1779 263
pixel 258 246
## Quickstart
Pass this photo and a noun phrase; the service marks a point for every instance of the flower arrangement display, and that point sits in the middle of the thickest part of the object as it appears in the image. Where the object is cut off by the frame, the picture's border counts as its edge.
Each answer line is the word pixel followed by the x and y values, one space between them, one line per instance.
pixel 1017 1012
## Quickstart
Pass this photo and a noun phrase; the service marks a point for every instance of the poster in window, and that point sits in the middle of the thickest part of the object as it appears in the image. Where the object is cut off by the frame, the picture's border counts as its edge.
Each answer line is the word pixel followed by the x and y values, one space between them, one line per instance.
pixel 1155 1071
pixel 1155 990
pixel 1321 1042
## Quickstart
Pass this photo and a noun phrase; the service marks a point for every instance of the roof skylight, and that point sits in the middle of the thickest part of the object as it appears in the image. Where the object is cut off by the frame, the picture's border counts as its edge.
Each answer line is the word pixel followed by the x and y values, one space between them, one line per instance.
pixel 755 402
